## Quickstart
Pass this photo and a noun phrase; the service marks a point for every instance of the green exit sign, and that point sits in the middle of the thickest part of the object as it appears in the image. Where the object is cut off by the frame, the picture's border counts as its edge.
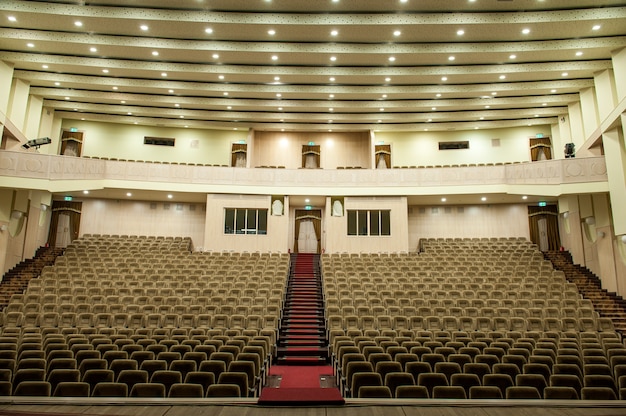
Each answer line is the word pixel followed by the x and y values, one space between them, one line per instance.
pixel 543 204
pixel 68 198
pixel 311 143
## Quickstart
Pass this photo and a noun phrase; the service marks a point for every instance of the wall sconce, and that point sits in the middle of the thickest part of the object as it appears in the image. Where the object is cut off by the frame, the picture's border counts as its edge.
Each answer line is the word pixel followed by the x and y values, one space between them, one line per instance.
pixel 17 214
pixel 601 234
pixel 3 227
pixel 566 214
pixel 590 220
pixel 624 239
pixel 44 207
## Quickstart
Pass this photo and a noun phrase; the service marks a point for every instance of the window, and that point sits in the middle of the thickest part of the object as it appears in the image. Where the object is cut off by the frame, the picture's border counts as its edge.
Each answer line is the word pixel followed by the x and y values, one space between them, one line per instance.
pixel 245 221
pixel 369 222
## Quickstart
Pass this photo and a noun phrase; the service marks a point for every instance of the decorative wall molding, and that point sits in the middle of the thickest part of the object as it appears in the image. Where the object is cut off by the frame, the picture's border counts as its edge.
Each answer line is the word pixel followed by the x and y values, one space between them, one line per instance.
pixel 66 168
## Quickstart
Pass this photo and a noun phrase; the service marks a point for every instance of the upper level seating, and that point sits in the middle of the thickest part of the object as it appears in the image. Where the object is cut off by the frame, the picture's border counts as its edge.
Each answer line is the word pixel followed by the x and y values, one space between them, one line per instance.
pixel 468 306
pixel 113 298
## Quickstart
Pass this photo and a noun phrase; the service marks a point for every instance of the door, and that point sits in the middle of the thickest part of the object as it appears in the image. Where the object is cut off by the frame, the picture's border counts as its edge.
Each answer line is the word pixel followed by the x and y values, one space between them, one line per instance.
pixel 308 231
pixel 544 243
pixel 63 231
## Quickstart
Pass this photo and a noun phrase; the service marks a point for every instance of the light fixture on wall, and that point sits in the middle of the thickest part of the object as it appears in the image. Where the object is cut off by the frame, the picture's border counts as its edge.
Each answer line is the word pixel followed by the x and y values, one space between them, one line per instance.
pixel 590 220
pixel 44 207
pixel 601 234
pixel 566 214
pixel 4 227
pixel 17 214
pixel 624 239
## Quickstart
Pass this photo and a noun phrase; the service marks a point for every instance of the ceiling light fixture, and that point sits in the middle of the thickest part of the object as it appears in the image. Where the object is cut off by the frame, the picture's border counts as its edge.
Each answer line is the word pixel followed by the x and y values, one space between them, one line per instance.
pixel 78 23
pixel 12 19
pixel 451 58
pixel 397 33
pixel 155 53
pixel 274 58
pixel 144 27
pixel 512 56
pixel 271 32
pixel 460 32
pixel 208 30
pixel 525 31
pixel 444 78
pixel 334 33
pixel 30 45
pixel 596 27
pixel 92 49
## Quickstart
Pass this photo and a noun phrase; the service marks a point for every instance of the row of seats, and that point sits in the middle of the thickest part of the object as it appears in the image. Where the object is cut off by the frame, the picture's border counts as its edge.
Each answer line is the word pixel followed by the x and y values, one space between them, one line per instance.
pixel 582 364
pixel 147 358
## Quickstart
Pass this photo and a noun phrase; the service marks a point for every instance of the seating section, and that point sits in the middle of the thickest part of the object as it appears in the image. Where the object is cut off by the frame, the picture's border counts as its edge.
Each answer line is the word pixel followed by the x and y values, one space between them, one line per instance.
pixel 466 318
pixel 123 315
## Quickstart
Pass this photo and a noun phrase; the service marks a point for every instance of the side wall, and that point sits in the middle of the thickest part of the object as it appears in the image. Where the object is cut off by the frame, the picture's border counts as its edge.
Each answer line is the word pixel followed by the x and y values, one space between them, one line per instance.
pixel 467 222
pixel 109 216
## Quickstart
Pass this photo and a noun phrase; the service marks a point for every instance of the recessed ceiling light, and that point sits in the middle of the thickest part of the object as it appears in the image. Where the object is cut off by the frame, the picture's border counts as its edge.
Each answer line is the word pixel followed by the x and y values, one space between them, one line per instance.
pixel 12 19
pixel 78 23
pixel 438 95
pixel 579 53
pixel 484 198
pixel 333 58
pixel 387 79
pixel 444 78
pixel 155 53
pixel 451 58
pixel 525 31
pixel 57 83
pixel 524 197
pixel 512 56
pixel 274 58
pixel 106 71
pixel 30 45
pixel 397 33
pixel 144 27
pixel 596 27
pixel 392 58
pixel 170 91
pixel 220 76
pixel 433 108
pixel 85 192
pixel 129 194
pixel 208 30
pixel 331 79
pixel 443 200
pixel 92 49
pixel 44 66
pixel 502 77
pixel 564 74
pixel 115 88
pixel 331 95
pixel 170 196
pixel 163 74
pixel 271 32
pixel 276 78
pixel 279 95
pixel 225 93
pixel 215 56
pixel 460 32
pixel 176 105
pixel 334 33
pixel 552 91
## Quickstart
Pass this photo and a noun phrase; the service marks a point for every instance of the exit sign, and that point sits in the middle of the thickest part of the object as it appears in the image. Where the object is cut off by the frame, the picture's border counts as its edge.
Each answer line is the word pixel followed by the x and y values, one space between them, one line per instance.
pixel 543 204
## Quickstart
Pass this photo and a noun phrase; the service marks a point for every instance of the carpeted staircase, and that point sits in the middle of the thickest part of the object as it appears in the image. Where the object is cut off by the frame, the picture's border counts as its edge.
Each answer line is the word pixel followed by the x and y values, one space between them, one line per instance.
pixel 302 336
pixel 607 304
pixel 16 280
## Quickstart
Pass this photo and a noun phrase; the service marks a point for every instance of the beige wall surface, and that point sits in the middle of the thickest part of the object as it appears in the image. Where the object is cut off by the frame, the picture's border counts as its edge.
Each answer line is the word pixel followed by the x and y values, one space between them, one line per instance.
pixel 507 220
pixel 169 219
pixel 285 149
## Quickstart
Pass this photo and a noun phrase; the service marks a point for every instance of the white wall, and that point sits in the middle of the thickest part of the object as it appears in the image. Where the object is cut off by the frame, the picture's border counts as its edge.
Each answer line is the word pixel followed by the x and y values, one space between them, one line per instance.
pixel 335 229
pixel 109 216
pixel 124 141
pixel 422 148
pixel 467 221
pixel 277 226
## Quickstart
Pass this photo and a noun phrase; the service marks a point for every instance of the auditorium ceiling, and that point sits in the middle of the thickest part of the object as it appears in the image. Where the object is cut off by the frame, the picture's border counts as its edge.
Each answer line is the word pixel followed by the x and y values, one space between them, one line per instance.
pixel 341 65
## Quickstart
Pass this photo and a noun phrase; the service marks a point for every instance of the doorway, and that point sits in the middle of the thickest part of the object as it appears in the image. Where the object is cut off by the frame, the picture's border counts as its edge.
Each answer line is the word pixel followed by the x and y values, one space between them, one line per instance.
pixel 544 227
pixel 64 223
pixel 308 231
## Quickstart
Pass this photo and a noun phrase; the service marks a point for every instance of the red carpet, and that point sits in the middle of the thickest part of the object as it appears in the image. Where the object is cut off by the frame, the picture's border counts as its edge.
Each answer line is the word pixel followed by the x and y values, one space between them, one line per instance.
pixel 300 386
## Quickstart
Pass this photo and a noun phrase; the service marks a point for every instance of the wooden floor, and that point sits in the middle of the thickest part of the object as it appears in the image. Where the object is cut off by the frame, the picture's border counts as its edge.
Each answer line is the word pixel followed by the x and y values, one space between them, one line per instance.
pixel 202 407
